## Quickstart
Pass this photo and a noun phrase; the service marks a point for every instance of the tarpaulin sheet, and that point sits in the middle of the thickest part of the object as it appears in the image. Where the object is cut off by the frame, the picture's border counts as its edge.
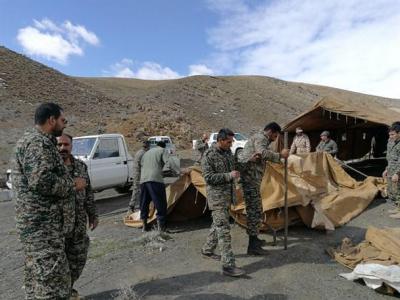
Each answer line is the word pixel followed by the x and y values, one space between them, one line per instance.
pixel 320 194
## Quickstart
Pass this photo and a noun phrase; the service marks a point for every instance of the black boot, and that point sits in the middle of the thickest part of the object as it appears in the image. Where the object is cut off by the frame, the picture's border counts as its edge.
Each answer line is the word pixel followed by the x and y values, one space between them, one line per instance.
pixel 254 247
pixel 260 242
pixel 146 226
pixel 233 271
pixel 161 226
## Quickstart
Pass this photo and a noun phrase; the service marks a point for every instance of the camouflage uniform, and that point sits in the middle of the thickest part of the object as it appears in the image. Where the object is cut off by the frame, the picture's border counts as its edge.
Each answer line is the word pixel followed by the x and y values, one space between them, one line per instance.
pixel 137 166
pixel 252 175
pixel 45 214
pixel 329 146
pixel 200 149
pixel 393 159
pixel 217 165
pixel 77 245
pixel 300 145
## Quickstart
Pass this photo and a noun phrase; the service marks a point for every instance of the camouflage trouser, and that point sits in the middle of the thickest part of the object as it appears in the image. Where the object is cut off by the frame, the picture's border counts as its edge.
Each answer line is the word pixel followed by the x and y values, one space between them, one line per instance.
pixel 135 198
pixel 393 191
pixel 252 198
pixel 220 235
pixel 47 274
pixel 76 249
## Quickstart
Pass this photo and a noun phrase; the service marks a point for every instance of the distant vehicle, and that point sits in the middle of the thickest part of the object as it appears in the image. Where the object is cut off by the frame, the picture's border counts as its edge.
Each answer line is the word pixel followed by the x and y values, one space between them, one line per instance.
pixel 169 146
pixel 239 140
pixel 109 163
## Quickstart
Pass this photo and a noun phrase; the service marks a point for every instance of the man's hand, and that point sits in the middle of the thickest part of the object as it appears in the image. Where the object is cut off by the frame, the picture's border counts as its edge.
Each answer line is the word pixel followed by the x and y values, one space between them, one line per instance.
pixel 284 153
pixel 235 174
pixel 384 174
pixel 255 157
pixel 185 171
pixel 80 183
pixel 93 223
pixel 395 178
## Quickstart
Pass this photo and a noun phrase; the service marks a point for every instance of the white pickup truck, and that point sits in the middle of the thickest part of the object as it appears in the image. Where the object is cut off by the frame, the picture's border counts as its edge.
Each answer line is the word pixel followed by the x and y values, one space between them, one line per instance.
pixel 109 163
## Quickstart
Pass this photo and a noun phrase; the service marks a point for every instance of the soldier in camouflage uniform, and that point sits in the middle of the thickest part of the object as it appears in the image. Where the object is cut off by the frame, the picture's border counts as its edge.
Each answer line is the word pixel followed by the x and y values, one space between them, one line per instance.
pixel 200 147
pixel 301 143
pixel 77 244
pixel 392 171
pixel 253 172
pixel 137 167
pixel 219 172
pixel 45 211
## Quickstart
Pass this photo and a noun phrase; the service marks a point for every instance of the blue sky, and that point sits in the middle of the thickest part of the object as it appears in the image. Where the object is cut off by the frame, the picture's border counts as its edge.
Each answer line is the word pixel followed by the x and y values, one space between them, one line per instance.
pixel 349 44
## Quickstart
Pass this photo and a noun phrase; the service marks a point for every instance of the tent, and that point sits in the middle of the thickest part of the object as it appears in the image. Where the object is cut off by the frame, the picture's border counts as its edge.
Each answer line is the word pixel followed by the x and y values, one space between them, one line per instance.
pixel 320 195
pixel 357 127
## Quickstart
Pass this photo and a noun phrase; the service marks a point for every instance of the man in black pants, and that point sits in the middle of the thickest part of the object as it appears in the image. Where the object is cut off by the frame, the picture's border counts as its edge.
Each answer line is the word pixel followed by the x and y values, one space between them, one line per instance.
pixel 152 186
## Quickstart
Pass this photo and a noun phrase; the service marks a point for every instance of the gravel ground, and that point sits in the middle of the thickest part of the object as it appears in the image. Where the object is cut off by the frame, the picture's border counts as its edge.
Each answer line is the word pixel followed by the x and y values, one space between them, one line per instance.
pixel 121 263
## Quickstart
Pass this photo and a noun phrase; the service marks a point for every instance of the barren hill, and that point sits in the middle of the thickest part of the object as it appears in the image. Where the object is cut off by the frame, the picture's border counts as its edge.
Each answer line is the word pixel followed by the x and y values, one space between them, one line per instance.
pixel 182 108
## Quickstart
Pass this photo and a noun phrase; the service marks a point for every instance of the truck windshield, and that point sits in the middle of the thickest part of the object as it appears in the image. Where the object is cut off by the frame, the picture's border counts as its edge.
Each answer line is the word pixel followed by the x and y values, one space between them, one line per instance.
pixel 240 137
pixel 82 147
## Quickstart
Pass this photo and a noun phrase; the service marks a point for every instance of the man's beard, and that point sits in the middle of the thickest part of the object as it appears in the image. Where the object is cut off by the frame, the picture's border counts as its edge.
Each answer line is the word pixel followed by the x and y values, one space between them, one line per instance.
pixel 64 155
pixel 58 132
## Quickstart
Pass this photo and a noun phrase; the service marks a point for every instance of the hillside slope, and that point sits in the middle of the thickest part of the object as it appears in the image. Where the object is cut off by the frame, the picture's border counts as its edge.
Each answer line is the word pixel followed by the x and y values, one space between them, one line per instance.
pixel 182 108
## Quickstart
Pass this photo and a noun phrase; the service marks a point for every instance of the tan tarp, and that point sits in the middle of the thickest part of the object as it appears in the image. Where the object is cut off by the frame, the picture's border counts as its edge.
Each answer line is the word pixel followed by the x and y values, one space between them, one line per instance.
pixel 381 246
pixel 321 194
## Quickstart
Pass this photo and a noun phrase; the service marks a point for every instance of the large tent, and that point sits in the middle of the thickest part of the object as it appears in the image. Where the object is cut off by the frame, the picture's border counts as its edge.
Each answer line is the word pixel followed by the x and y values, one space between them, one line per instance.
pixel 358 127
pixel 320 195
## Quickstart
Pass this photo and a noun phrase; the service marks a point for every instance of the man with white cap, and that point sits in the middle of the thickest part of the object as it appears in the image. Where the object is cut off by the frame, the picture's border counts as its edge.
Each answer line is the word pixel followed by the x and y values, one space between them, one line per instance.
pixel 301 143
pixel 327 144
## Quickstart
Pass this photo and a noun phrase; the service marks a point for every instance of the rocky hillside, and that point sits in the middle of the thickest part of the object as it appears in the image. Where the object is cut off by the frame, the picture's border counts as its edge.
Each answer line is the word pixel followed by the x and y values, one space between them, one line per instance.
pixel 182 108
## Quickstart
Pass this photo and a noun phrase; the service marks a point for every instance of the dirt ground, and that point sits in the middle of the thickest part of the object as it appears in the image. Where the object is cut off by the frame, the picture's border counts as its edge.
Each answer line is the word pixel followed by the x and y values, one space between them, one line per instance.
pixel 119 262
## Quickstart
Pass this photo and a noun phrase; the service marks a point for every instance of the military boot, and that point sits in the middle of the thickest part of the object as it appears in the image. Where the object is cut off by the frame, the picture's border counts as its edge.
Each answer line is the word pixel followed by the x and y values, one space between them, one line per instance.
pixel 254 247
pixel 146 226
pixel 260 242
pixel 161 226
pixel 233 271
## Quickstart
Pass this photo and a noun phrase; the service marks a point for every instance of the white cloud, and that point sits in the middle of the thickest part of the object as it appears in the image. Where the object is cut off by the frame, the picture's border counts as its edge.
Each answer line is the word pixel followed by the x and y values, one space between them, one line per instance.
pixel 349 44
pixel 55 42
pixel 147 70
pixel 199 70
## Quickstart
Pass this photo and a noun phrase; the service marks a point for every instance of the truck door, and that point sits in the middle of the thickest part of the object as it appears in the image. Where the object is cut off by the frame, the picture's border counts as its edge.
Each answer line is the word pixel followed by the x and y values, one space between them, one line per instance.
pixel 108 166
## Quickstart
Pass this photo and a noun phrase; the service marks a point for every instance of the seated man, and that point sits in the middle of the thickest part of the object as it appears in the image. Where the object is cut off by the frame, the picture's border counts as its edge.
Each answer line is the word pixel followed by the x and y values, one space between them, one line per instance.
pixel 327 144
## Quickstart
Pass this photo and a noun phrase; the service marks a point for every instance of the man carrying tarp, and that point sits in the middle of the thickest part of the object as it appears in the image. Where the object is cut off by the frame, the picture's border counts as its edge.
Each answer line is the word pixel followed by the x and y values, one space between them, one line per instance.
pixel 253 172
pixel 219 172
pixel 327 144
pixel 392 171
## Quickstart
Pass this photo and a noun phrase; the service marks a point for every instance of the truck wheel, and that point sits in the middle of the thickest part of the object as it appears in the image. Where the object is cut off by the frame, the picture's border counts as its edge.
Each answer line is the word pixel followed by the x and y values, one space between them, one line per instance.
pixel 123 189
pixel 238 151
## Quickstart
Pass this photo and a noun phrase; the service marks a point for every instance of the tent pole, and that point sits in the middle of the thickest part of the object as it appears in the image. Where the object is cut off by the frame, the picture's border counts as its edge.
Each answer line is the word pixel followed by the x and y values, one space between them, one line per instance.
pixel 351 168
pixel 286 191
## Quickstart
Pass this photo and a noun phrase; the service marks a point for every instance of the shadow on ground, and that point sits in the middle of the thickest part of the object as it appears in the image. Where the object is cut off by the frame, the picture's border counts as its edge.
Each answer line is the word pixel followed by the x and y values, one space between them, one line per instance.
pixel 185 287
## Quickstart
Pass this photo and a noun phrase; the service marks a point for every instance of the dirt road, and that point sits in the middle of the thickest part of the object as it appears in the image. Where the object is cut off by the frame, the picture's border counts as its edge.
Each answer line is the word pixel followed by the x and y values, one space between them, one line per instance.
pixel 118 262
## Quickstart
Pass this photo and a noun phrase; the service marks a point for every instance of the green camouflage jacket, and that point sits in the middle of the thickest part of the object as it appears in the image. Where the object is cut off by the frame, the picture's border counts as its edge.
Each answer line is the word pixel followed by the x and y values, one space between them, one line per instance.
pixel 200 148
pixel 43 190
pixel 393 158
pixel 217 165
pixel 254 171
pixel 84 201
pixel 137 164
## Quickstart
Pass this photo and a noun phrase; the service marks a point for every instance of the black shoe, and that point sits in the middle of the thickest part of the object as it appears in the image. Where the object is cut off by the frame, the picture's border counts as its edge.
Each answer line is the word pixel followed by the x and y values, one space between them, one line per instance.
pixel 146 227
pixel 254 247
pixel 211 255
pixel 260 242
pixel 161 226
pixel 233 271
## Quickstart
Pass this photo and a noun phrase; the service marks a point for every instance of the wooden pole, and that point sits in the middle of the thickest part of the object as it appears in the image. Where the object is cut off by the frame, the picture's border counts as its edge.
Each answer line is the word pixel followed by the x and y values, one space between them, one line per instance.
pixel 285 141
